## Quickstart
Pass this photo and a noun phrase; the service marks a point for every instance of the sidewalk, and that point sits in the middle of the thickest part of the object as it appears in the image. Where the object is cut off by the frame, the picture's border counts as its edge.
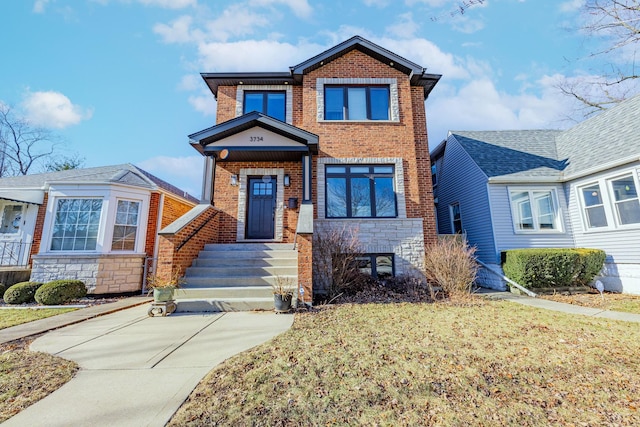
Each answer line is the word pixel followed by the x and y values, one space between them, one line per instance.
pixel 137 370
pixel 54 322
pixel 559 306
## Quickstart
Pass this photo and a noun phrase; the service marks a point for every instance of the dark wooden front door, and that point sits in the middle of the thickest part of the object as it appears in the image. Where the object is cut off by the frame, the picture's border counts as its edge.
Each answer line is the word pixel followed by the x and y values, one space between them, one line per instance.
pixel 261 210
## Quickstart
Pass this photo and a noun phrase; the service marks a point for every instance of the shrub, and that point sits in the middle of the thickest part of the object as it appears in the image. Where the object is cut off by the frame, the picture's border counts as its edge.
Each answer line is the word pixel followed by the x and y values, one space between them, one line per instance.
pixel 60 292
pixel 21 293
pixel 335 270
pixel 450 264
pixel 552 267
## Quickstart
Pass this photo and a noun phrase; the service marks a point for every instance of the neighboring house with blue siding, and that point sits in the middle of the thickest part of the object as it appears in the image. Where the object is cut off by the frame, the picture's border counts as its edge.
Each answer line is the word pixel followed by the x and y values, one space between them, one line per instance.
pixel 547 188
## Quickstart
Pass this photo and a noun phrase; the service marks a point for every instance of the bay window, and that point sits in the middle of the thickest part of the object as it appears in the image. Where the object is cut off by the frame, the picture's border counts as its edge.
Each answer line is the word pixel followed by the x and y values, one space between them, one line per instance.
pixel 125 228
pixel 76 224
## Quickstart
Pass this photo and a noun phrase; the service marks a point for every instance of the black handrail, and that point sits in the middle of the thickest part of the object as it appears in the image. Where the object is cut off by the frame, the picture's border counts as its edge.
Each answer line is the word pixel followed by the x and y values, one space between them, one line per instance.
pixel 196 231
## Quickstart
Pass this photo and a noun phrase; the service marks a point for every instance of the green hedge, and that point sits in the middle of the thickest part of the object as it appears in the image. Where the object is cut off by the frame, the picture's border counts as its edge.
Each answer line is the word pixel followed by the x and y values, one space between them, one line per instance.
pixel 21 293
pixel 60 292
pixel 553 267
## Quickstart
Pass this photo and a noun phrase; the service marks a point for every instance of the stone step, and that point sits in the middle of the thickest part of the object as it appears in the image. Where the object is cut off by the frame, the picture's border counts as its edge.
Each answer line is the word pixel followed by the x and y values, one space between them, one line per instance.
pixel 225 292
pixel 216 282
pixel 243 255
pixel 245 262
pixel 223 271
pixel 226 247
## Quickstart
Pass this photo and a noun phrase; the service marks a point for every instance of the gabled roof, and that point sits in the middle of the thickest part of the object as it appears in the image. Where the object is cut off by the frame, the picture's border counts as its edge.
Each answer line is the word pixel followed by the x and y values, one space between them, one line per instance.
pixel 117 174
pixel 609 139
pixel 307 141
pixel 417 74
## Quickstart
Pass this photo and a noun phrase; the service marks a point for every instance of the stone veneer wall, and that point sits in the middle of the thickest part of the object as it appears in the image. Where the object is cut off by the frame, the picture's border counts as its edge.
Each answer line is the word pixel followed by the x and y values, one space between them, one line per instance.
pixel 102 274
pixel 402 237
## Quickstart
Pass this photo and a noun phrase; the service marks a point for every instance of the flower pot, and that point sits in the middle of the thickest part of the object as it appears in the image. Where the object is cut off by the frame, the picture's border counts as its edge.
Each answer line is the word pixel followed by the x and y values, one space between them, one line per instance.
pixel 282 303
pixel 162 294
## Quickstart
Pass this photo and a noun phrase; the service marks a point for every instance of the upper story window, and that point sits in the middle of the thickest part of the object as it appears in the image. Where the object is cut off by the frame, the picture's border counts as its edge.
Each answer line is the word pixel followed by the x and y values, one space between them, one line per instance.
pixel 534 210
pixel 356 102
pixel 76 224
pixel 125 228
pixel 271 103
pixel 362 191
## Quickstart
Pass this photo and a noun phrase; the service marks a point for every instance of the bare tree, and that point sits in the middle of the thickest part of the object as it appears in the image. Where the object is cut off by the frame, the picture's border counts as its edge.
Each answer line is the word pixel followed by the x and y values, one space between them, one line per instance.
pixel 615 25
pixel 22 145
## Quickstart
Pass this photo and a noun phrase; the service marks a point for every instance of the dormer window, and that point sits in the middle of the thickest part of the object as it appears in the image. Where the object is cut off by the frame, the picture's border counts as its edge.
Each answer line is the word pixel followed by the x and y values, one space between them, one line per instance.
pixel 271 103
pixel 356 102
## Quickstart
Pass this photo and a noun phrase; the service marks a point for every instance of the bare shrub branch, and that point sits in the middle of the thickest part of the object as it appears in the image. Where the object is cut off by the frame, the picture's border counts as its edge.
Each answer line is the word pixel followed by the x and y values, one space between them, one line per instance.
pixel 450 264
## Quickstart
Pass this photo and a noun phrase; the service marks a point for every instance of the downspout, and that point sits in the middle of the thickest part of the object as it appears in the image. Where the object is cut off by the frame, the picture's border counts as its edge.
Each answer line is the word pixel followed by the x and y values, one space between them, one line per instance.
pixel 506 279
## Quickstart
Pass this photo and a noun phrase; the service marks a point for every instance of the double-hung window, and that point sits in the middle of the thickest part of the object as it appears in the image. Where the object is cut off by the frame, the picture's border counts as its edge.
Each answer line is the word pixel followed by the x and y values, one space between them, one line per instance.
pixel 76 224
pixel 625 200
pixel 271 103
pixel 534 210
pixel 362 191
pixel 456 218
pixel 125 228
pixel 594 210
pixel 356 102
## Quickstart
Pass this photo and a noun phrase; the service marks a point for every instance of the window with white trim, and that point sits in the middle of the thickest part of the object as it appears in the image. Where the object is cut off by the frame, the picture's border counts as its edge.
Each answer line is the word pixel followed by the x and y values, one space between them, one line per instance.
pixel 125 228
pixel 625 200
pixel 534 210
pixel 610 203
pixel 11 219
pixel 76 224
pixel 593 206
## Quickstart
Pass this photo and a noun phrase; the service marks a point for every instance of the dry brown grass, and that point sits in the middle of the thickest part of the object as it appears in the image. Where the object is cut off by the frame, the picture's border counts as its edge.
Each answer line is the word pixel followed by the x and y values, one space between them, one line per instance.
pixel 608 301
pixel 478 363
pixel 26 377
pixel 18 316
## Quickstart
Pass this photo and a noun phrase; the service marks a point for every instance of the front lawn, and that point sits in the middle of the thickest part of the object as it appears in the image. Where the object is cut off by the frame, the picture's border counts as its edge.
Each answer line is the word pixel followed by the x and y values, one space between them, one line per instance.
pixel 608 301
pixel 480 363
pixel 16 316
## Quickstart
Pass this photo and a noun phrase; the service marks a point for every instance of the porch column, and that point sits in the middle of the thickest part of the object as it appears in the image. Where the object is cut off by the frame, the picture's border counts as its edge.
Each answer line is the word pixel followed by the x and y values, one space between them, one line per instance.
pixel 208 180
pixel 306 179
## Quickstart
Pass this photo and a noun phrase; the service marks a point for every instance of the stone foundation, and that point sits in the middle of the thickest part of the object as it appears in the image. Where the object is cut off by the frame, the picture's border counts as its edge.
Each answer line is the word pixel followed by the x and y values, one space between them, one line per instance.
pixel 102 274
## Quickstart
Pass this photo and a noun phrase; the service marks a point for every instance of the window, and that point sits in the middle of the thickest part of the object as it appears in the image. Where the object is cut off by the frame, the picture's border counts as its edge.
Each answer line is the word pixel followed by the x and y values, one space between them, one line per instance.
pixel 534 210
pixel 434 175
pixel 625 200
pixel 269 103
pixel 356 103
pixel 594 211
pixel 376 265
pixel 126 226
pixel 456 218
pixel 360 192
pixel 11 219
pixel 76 224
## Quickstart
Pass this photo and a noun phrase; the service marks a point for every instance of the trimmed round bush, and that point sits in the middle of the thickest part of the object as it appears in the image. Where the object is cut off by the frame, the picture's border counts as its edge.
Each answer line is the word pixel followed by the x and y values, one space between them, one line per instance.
pixel 60 292
pixel 21 293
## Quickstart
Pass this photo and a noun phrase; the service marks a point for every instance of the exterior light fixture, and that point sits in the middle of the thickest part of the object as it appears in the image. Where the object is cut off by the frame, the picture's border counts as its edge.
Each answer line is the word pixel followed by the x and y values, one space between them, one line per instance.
pixel 234 180
pixel 287 180
pixel 224 154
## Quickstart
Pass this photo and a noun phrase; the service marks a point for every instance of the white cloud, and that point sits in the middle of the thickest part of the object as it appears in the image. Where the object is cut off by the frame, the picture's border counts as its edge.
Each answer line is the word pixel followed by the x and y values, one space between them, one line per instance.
pixel 39 6
pixel 378 3
pixel 204 103
pixel 571 5
pixel 236 20
pixel 190 82
pixel 178 31
pixel 170 4
pixel 183 172
pixel 53 110
pixel 405 28
pixel 300 8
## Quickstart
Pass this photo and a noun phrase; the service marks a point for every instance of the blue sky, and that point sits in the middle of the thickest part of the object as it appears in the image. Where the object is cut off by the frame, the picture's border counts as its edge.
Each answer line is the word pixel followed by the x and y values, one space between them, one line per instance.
pixel 118 80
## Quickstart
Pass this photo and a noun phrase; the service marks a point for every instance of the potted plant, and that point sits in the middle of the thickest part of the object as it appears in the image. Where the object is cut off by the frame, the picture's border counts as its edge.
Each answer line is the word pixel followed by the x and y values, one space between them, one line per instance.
pixel 163 287
pixel 283 291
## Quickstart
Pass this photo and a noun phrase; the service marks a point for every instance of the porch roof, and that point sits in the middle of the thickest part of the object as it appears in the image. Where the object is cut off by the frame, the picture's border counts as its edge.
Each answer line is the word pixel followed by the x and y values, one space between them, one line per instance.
pixel 214 140
pixel 34 197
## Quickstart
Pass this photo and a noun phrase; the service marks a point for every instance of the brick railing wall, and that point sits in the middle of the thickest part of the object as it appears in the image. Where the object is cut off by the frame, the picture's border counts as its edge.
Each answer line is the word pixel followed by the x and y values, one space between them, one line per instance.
pixel 178 248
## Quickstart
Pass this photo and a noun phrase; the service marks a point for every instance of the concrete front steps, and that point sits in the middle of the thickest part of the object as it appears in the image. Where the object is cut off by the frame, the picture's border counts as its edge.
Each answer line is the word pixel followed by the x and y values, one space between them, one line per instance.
pixel 237 277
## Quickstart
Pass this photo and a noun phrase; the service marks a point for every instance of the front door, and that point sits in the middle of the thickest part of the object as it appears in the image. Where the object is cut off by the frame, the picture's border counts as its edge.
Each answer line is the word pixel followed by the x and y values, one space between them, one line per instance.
pixel 261 210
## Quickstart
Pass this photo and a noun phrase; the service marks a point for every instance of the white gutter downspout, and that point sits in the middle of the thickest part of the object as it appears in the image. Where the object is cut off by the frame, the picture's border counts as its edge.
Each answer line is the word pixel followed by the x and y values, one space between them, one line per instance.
pixel 505 278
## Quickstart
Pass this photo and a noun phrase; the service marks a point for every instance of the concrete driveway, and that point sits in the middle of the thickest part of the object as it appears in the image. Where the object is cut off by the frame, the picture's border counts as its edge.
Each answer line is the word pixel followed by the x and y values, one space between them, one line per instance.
pixel 137 370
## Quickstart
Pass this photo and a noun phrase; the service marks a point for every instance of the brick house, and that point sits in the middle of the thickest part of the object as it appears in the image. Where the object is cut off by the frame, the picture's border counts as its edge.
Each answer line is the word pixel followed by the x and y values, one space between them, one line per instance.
pixel 98 225
pixel 338 141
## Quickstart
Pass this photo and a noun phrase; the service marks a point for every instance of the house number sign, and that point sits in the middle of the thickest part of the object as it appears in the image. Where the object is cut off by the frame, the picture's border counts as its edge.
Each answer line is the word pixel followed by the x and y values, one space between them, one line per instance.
pixel 256 139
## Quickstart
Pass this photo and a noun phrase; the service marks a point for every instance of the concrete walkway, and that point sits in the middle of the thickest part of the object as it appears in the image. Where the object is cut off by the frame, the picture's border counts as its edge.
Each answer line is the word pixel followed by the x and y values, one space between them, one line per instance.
pixel 137 370
pixel 559 306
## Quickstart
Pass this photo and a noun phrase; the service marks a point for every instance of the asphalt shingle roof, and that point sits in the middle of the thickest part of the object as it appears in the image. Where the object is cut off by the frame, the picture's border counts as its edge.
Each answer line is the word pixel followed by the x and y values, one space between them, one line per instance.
pixel 611 136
